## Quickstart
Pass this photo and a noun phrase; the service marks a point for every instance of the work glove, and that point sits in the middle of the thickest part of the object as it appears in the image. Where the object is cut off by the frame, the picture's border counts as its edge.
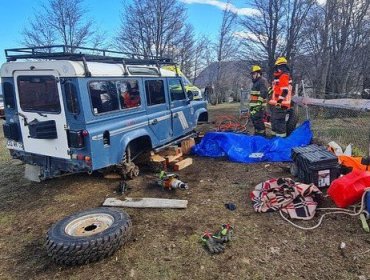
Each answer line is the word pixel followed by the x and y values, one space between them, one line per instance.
pixel 226 233
pixel 213 243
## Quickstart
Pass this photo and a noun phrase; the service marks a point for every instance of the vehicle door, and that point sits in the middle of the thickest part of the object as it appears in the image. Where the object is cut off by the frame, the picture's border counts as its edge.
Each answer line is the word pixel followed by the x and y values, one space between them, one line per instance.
pixel 181 108
pixel 41 113
pixel 159 114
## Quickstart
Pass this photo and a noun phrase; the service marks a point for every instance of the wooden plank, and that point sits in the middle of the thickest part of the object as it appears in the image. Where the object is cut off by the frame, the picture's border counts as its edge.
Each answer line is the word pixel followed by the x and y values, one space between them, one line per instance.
pixel 186 145
pixel 112 176
pixel 170 159
pixel 170 151
pixel 157 158
pixel 182 164
pixel 146 202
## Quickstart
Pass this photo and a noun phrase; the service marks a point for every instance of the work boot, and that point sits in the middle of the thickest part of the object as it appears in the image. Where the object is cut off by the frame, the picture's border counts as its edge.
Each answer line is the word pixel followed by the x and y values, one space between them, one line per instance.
pixel 260 133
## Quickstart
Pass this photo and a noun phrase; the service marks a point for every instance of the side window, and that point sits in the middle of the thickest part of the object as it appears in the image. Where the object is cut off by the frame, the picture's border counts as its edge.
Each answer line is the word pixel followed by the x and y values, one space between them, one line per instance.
pixel 176 90
pixel 154 92
pixel 8 91
pixel 129 94
pixel 103 96
pixel 71 97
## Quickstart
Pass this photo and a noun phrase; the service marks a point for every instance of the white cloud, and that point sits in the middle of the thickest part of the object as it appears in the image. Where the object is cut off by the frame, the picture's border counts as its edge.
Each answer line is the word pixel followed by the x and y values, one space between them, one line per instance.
pixel 245 35
pixel 223 6
pixel 321 2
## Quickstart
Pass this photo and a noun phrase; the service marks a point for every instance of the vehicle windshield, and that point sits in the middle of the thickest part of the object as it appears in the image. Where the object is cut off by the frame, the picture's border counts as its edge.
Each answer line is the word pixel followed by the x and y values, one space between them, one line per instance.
pixel 185 81
pixel 38 94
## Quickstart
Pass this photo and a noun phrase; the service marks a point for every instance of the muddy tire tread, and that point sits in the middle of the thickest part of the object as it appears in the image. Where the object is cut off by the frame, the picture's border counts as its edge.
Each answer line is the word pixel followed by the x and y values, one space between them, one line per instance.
pixel 86 250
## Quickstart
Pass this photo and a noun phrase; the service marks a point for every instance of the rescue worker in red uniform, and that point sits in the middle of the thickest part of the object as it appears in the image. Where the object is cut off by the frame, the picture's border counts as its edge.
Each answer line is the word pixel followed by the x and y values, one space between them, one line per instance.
pixel 130 98
pixel 257 102
pixel 281 97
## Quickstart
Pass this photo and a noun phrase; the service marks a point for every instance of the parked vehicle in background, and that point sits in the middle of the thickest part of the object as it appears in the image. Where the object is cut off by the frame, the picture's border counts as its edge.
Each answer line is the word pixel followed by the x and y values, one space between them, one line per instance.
pixel 189 87
pixel 79 112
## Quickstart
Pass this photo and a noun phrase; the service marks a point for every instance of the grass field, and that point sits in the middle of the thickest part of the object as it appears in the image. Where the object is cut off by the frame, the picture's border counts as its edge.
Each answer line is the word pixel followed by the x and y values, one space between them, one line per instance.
pixel 166 243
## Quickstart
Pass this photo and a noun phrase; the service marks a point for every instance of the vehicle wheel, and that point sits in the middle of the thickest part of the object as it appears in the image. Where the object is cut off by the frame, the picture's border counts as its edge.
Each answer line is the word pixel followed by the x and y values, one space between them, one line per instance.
pixel 88 236
pixel 293 119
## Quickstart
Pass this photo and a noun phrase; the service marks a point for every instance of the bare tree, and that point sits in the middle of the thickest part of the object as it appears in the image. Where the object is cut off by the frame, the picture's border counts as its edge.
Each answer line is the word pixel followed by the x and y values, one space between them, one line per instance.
pixel 263 30
pixel 183 52
pixel 336 39
pixel 275 29
pixel 201 55
pixel 152 27
pixel 61 22
pixel 296 19
pixel 226 47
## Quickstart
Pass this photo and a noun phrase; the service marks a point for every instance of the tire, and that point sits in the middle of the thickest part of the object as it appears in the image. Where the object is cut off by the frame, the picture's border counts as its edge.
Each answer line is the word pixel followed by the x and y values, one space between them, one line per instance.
pixel 293 119
pixel 88 236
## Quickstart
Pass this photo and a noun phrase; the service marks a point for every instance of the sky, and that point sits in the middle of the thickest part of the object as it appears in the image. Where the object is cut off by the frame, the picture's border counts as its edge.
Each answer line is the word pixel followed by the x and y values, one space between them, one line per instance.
pixel 204 15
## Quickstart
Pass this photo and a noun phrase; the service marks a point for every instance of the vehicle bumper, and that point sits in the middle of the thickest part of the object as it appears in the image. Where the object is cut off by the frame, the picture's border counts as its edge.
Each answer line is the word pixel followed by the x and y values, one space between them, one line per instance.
pixel 51 167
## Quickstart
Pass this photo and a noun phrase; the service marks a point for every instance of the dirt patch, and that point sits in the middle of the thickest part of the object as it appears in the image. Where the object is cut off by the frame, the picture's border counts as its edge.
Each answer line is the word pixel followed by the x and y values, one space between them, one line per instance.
pixel 165 242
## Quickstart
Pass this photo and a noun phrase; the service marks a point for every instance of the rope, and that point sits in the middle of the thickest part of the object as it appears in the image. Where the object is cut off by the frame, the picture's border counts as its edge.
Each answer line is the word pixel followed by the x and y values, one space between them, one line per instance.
pixel 337 211
pixel 230 123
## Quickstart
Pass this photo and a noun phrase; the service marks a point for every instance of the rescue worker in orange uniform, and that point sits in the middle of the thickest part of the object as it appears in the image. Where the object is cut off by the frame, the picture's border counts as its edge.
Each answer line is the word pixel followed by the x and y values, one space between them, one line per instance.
pixel 130 98
pixel 257 102
pixel 281 97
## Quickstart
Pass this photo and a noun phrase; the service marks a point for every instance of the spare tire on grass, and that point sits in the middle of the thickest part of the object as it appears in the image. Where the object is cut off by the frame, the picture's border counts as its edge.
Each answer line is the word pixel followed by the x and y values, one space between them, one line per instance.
pixel 88 236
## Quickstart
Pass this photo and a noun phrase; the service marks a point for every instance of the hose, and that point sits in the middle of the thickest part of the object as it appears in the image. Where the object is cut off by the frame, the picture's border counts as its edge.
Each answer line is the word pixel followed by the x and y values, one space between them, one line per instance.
pixel 336 211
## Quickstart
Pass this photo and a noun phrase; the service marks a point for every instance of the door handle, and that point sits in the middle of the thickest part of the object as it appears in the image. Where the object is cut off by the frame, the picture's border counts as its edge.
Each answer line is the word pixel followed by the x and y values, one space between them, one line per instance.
pixel 154 122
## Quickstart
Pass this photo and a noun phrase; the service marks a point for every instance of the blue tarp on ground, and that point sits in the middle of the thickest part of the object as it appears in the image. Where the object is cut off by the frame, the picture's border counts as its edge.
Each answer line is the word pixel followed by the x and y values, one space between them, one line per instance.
pixel 251 149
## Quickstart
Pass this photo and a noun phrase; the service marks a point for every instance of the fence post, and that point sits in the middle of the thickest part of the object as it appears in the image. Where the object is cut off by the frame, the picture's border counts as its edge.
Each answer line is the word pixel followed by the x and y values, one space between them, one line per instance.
pixel 305 96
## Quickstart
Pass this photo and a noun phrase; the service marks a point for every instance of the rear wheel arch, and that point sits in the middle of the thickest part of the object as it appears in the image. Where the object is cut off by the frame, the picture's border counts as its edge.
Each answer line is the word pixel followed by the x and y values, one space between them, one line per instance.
pixel 136 146
pixel 203 117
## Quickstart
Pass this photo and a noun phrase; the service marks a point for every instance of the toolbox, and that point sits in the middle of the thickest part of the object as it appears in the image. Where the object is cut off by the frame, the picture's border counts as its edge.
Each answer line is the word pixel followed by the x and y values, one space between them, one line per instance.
pixel 316 165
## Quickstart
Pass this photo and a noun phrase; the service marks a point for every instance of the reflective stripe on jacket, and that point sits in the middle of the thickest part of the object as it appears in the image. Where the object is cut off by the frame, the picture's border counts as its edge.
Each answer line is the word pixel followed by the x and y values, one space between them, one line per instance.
pixel 258 93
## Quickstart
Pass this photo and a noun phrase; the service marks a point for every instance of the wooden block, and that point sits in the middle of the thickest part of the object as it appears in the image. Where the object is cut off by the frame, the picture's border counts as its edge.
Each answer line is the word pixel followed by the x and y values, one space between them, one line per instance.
pixel 186 145
pixel 170 151
pixel 157 158
pixel 182 164
pixel 146 203
pixel 112 176
pixel 170 159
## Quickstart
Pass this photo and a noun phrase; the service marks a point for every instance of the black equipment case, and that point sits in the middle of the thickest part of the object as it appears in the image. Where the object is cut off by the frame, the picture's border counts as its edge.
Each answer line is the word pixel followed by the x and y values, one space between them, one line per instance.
pixel 316 165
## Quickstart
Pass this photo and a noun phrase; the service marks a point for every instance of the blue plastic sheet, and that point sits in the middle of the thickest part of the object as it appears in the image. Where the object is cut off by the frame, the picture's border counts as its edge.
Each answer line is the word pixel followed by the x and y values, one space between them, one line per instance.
pixel 251 149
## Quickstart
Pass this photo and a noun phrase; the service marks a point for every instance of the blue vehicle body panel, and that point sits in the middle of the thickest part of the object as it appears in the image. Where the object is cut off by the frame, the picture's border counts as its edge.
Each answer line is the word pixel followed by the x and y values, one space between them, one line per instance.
pixel 109 134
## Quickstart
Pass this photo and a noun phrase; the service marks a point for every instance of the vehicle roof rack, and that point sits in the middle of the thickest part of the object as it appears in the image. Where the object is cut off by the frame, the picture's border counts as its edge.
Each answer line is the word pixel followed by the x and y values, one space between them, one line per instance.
pixel 74 53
